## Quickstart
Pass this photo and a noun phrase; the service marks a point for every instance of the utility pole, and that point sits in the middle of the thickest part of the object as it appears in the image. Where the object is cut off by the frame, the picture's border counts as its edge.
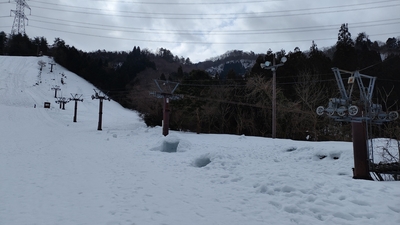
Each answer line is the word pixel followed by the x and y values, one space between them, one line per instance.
pixel 56 88
pixel 167 89
pixel 273 98
pixel 76 98
pixel 20 17
pixel 51 67
pixel 273 68
pixel 101 97
pixel 62 101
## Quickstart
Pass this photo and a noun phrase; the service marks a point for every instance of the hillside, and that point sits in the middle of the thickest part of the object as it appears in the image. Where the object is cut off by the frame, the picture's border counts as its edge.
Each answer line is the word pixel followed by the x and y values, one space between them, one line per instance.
pixel 55 171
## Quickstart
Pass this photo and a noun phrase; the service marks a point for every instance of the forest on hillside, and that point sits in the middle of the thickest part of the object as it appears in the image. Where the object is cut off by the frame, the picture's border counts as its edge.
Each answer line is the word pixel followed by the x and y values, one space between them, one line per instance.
pixel 235 104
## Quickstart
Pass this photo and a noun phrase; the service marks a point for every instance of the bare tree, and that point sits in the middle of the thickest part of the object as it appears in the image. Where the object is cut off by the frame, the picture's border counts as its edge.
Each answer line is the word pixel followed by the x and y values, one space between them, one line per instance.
pixel 391 131
pixel 310 93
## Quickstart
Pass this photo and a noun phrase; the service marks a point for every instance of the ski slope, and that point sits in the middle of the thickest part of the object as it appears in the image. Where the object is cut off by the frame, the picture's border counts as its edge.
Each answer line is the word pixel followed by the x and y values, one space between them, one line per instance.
pixel 55 171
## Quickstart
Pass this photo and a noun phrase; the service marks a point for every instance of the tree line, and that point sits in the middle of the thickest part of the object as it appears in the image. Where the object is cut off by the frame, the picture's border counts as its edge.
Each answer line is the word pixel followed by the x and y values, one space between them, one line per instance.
pixel 243 105
pixel 233 103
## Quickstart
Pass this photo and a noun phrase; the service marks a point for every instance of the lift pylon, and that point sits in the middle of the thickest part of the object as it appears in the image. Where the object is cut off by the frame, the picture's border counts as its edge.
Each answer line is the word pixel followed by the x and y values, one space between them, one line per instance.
pixel 360 112
pixel 167 89
pixel 346 107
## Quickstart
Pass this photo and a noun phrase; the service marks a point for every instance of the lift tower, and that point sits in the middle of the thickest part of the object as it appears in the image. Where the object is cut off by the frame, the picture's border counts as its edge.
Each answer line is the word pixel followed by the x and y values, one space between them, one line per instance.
pixel 20 17
pixel 360 111
pixel 99 95
pixel 167 89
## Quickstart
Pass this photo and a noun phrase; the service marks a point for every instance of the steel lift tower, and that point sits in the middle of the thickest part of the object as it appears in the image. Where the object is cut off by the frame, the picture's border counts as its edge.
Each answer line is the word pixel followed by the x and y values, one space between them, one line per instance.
pixel 20 17
pixel 360 112
pixel 167 89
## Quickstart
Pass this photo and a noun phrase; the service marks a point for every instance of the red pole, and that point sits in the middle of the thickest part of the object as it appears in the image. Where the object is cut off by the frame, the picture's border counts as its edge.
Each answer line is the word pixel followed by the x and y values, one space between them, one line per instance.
pixel 360 151
pixel 76 109
pixel 100 114
pixel 166 116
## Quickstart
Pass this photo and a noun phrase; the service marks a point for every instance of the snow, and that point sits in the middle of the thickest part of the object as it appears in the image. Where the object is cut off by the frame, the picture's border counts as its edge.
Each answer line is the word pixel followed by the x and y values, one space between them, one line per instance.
pixel 55 171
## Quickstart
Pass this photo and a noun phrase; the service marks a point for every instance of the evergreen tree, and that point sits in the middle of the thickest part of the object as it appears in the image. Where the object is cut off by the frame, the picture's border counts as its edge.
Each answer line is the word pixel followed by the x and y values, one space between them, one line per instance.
pixel 43 46
pixel 59 51
pixel 393 45
pixel 344 36
pixel 231 75
pixel 313 48
pixel 194 87
pixel 3 41
pixel 20 45
pixel 288 73
pixel 363 43
pixel 180 72
pixel 345 56
pixel 318 62
pixel 162 77
pixel 366 55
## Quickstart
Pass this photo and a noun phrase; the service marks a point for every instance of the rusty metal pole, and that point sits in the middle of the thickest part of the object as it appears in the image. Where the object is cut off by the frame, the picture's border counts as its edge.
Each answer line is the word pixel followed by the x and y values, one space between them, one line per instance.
pixel 101 98
pixel 55 88
pixel 360 151
pixel 166 116
pixel 76 98
pixel 100 114
pixel 75 110
pixel 51 67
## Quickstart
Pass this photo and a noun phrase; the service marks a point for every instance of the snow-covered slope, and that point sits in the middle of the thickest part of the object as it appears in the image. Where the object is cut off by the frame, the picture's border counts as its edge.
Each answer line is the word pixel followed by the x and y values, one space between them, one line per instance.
pixel 55 171
pixel 240 67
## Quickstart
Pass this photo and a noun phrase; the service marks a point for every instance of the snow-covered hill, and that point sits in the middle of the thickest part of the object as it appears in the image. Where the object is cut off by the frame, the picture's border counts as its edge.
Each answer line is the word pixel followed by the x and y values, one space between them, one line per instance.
pixel 55 171
pixel 239 66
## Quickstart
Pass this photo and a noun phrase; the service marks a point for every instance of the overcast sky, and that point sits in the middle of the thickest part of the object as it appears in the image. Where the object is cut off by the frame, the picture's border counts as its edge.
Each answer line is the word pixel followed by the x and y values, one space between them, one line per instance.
pixel 201 29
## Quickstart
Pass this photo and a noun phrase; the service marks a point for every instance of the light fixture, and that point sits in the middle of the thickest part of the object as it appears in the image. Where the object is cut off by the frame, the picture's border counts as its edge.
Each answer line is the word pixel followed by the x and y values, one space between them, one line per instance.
pixel 266 64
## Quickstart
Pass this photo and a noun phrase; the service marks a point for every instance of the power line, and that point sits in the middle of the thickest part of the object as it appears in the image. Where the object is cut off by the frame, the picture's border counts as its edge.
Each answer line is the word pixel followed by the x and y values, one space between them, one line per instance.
pixel 227 31
pixel 182 42
pixel 191 3
pixel 233 32
pixel 283 13
pixel 227 101
pixel 216 14
pixel 198 42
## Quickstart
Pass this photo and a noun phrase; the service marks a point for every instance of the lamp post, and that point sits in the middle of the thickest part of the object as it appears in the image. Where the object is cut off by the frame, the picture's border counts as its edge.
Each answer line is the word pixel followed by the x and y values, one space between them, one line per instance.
pixel 273 67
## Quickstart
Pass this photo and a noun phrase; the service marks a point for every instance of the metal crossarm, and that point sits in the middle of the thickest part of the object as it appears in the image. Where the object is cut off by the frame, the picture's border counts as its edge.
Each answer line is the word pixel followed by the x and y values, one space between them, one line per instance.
pixel 341 109
pixel 339 80
pixel 366 94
